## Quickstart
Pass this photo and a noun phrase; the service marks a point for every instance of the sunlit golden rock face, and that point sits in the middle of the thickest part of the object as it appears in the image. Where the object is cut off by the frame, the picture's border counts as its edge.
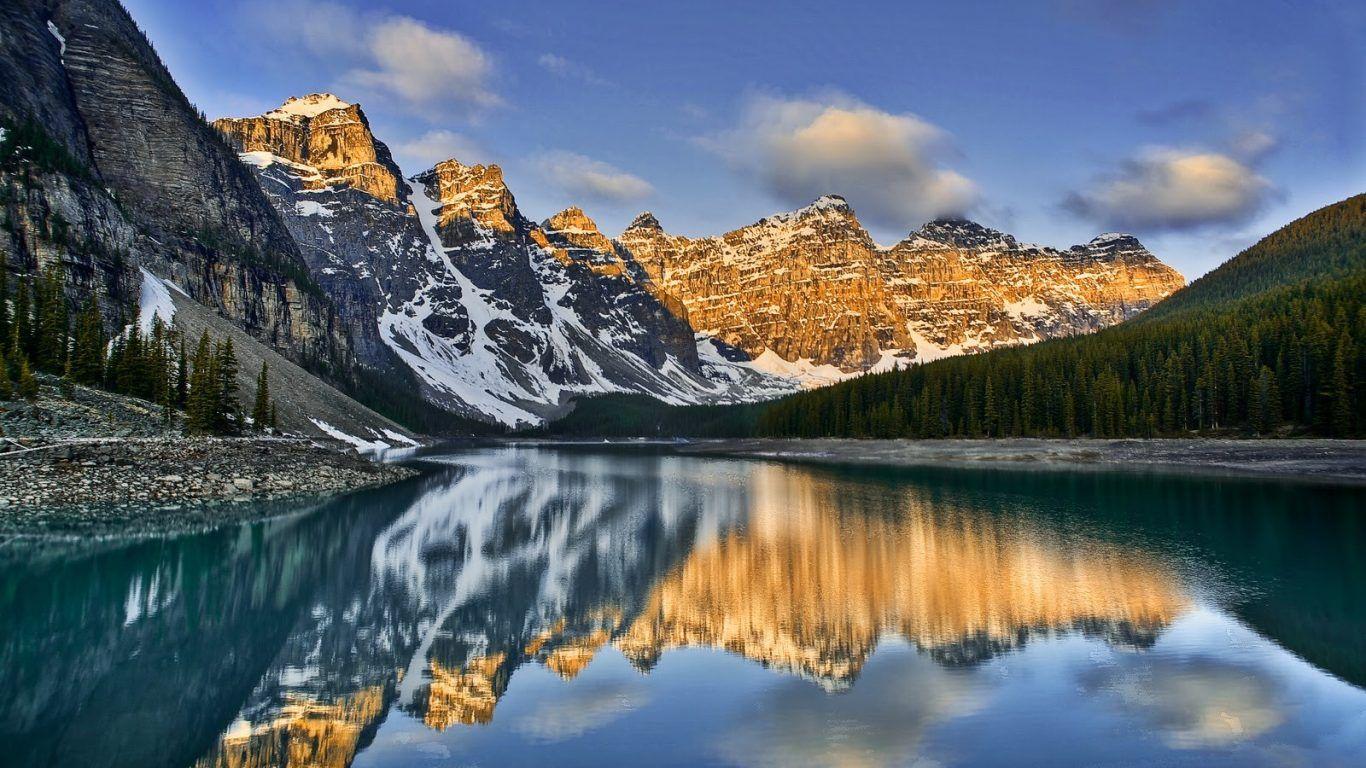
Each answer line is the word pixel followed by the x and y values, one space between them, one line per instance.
pixel 474 200
pixel 325 134
pixel 307 733
pixel 569 660
pixel 571 236
pixel 464 695
pixel 803 284
pixel 807 590
pixel 812 284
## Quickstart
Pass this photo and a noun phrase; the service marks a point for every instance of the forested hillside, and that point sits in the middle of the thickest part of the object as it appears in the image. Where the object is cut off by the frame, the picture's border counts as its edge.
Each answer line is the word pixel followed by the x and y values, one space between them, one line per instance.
pixel 1327 244
pixel 1269 343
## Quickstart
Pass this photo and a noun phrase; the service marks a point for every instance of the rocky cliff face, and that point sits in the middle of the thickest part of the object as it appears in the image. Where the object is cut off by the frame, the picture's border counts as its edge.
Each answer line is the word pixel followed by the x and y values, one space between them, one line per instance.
pixel 964 287
pixel 326 134
pixel 447 286
pixel 809 293
pixel 118 170
pixel 800 286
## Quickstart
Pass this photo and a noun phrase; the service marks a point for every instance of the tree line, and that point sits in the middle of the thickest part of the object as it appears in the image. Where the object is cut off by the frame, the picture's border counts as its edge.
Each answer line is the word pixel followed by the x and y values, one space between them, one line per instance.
pixel 38 333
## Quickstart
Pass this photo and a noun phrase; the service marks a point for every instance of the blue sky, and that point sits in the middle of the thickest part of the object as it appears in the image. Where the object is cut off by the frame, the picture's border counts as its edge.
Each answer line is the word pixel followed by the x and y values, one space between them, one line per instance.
pixel 1199 126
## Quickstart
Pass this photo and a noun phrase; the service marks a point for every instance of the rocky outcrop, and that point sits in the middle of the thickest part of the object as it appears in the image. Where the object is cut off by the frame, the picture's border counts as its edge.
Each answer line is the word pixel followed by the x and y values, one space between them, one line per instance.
pixel 804 285
pixel 558 310
pixel 812 289
pixel 129 172
pixel 964 287
pixel 327 134
pixel 474 201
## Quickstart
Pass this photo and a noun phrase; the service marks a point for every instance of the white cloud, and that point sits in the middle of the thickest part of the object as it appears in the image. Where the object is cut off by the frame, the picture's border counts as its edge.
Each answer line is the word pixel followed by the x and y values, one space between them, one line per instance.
pixel 434 146
pixel 890 166
pixel 383 54
pixel 1175 189
pixel 1253 145
pixel 426 65
pixel 591 180
pixel 561 67
pixel 321 28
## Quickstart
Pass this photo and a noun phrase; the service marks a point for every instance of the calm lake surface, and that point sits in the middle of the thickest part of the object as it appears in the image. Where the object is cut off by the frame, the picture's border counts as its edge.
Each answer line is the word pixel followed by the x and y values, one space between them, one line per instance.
pixel 524 606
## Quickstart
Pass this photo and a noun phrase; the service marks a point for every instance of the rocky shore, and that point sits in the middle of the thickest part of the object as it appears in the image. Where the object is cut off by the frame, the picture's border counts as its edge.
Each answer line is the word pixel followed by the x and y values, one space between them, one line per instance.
pixel 1325 461
pixel 92 484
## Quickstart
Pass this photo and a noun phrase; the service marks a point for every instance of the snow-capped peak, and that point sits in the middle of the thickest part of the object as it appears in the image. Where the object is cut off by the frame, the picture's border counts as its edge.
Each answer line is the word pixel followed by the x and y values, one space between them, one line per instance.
pixel 823 205
pixel 1113 238
pixel 310 106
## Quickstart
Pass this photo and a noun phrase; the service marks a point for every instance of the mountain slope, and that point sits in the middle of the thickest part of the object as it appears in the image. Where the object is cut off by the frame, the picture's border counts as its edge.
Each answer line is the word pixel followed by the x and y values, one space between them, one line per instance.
pixel 111 177
pixel 148 180
pixel 1327 244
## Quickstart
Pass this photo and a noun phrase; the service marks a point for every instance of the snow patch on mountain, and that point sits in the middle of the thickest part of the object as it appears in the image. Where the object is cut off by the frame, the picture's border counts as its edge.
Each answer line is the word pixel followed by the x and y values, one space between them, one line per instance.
pixel 154 300
pixel 491 381
pixel 308 106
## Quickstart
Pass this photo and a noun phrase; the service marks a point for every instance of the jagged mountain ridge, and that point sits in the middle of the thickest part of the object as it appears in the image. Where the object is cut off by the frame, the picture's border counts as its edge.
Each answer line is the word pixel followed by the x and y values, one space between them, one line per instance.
pixel 445 282
pixel 811 287
pixel 493 315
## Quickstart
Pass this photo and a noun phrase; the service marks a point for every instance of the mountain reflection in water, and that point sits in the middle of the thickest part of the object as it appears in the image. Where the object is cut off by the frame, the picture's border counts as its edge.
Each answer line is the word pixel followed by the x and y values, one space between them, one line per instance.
pixel 870 615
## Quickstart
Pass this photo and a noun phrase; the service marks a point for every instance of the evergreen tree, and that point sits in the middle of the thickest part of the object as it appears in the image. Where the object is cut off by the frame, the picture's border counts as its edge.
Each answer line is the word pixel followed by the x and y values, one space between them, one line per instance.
pixel 229 417
pixel 6 386
pixel 182 376
pixel 4 303
pixel 87 354
pixel 27 381
pixel 1340 388
pixel 260 412
pixel 202 399
pixel 21 331
pixel 50 322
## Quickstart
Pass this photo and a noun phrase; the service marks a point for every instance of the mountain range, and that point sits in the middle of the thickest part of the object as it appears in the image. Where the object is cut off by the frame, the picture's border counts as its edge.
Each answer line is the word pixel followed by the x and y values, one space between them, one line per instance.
pixel 502 317
pixel 433 299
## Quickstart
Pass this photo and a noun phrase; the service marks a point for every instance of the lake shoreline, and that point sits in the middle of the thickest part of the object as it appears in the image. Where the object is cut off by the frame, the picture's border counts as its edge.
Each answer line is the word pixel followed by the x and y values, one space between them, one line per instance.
pixel 1334 462
pixel 105 485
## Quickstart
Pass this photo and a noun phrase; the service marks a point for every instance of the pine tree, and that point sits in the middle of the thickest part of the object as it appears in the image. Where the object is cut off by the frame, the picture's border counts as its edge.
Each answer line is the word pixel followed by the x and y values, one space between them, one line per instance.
pixel 87 354
pixel 50 322
pixel 260 412
pixel 21 332
pixel 28 382
pixel 229 417
pixel 6 386
pixel 182 376
pixel 1340 386
pixel 202 399
pixel 274 421
pixel 4 302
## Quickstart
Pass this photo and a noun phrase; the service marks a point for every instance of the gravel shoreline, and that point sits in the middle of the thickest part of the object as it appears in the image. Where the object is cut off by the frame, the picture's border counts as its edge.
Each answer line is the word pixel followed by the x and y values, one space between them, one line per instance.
pixel 103 484
pixel 1340 462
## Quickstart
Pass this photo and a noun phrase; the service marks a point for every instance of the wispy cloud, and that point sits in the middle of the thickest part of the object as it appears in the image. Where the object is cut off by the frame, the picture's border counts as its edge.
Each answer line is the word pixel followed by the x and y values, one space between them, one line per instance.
pixel 890 166
pixel 435 146
pixel 1172 189
pixel 383 55
pixel 583 178
pixel 559 66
